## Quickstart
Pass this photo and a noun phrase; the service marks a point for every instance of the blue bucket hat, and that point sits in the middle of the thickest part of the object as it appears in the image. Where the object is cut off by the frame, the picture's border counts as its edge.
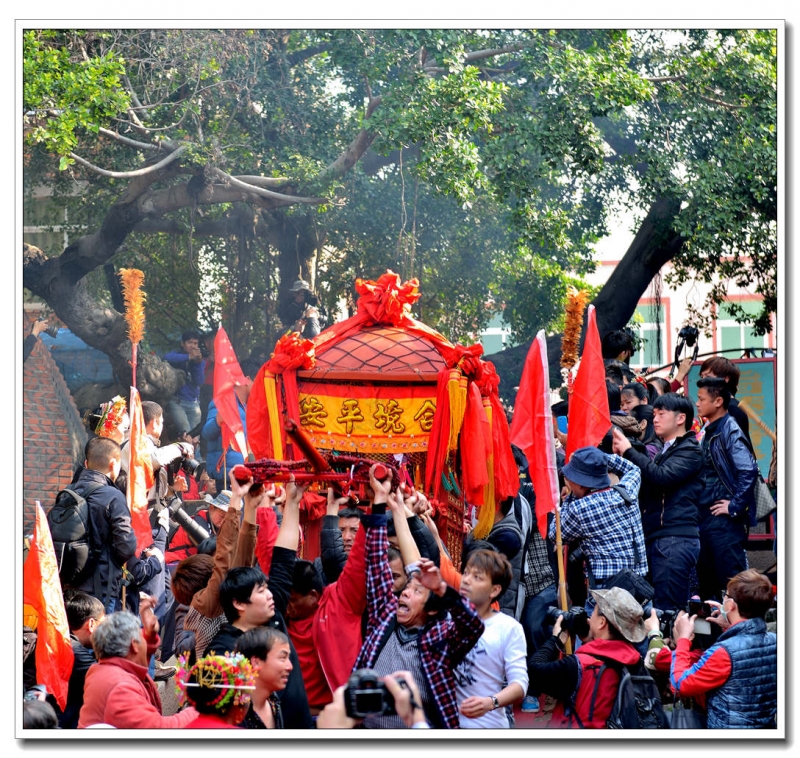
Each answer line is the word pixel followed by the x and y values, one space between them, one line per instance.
pixel 588 467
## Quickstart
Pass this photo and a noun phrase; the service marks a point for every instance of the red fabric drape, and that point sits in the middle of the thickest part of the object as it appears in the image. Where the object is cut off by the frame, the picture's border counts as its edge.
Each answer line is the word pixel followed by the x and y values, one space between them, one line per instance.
pixel 257 415
pixel 589 417
pixel 475 447
pixel 227 375
pixel 506 476
pixel 140 475
pixel 42 592
pixel 438 439
pixel 532 430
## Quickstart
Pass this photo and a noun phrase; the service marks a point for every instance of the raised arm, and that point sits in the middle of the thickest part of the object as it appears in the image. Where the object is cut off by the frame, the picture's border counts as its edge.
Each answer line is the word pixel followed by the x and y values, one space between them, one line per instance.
pixel 284 554
pixel 206 601
pixel 409 551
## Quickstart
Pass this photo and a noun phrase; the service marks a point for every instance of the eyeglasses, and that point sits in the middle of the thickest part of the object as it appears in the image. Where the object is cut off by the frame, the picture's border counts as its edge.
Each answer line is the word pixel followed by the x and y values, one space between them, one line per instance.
pixel 725 594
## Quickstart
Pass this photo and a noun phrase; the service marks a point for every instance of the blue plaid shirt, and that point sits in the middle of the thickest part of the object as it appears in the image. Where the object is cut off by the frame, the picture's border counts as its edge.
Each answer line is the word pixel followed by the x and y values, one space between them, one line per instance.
pixel 610 530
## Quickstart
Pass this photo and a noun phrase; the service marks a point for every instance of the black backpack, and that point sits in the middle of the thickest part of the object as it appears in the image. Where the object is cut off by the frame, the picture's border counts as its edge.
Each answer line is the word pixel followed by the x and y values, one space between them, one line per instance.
pixel 638 701
pixel 71 531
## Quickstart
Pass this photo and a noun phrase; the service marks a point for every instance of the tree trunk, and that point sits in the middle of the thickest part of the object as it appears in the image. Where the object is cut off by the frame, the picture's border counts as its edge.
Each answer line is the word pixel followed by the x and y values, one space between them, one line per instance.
pixel 655 244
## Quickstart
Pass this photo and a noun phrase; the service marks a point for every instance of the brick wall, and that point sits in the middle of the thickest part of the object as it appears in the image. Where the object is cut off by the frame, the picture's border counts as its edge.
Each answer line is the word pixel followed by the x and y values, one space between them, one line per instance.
pixel 53 436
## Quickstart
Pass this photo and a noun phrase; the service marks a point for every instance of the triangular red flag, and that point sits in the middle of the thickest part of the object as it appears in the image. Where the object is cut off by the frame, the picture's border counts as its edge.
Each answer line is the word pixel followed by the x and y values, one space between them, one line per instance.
pixel 227 375
pixel 532 430
pixel 42 592
pixel 140 475
pixel 589 417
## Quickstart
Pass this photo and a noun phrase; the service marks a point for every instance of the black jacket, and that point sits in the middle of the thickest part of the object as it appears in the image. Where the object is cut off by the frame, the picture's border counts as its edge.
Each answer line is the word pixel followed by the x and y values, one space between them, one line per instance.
pixel 294 701
pixel 111 530
pixel 671 487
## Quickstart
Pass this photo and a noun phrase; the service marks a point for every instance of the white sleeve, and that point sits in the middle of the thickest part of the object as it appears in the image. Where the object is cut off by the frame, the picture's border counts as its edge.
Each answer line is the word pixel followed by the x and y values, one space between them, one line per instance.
pixel 515 655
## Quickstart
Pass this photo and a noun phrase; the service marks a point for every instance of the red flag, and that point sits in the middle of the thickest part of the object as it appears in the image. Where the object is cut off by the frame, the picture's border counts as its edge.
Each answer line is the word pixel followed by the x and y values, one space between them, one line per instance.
pixel 42 592
pixel 140 475
pixel 532 430
pixel 227 375
pixel 589 418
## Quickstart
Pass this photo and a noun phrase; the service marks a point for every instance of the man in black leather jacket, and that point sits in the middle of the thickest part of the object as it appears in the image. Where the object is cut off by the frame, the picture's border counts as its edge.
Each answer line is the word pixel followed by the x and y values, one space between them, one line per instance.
pixel 671 486
pixel 727 501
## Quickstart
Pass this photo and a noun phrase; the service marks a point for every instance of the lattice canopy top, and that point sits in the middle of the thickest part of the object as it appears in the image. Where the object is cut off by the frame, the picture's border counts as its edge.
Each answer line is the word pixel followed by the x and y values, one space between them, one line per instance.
pixel 379 352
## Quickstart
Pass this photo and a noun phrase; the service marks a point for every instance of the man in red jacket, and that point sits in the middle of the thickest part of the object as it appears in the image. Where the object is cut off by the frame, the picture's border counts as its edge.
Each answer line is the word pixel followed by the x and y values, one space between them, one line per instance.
pixel 615 626
pixel 325 622
pixel 118 690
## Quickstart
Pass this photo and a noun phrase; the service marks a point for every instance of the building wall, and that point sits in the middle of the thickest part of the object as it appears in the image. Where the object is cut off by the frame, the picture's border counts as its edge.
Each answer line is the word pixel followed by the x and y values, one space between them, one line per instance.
pixel 53 434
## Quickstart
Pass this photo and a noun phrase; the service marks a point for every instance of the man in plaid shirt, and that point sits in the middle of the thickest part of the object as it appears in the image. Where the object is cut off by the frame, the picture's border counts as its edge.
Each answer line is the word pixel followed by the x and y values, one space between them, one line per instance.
pixel 607 523
pixel 427 630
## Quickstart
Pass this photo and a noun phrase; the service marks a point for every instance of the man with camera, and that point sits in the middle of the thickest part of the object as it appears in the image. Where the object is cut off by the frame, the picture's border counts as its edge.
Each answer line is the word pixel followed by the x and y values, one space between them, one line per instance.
pixel 427 630
pixel 605 520
pixel 366 694
pixel 614 628
pixel 671 487
pixel 184 408
pixel 300 311
pixel 739 672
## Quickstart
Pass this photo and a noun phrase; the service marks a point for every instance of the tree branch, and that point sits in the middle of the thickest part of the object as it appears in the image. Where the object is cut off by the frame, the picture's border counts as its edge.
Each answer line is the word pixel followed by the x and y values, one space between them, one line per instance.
pixel 128 141
pixel 129 174
pixel 262 192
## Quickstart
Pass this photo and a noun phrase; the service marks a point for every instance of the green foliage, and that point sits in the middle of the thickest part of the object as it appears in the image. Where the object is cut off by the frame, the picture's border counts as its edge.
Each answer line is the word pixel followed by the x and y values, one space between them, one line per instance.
pixel 498 156
pixel 62 97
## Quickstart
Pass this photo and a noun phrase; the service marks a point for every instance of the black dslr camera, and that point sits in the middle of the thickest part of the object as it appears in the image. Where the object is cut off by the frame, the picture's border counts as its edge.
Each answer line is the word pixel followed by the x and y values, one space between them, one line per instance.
pixel 366 695
pixel 575 620
pixel 186 462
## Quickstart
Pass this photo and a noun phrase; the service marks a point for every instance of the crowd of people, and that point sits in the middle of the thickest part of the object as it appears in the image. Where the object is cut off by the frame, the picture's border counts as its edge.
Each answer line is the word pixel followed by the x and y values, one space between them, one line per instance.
pixel 387 629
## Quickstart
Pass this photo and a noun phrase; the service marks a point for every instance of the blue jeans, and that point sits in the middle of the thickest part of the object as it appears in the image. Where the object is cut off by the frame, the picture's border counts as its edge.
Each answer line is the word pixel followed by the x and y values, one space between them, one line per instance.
pixel 722 554
pixel 671 561
pixel 184 415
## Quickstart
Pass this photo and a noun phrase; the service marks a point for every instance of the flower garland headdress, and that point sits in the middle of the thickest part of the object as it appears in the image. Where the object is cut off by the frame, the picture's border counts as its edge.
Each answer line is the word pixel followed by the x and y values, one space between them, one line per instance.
pixel 111 416
pixel 232 675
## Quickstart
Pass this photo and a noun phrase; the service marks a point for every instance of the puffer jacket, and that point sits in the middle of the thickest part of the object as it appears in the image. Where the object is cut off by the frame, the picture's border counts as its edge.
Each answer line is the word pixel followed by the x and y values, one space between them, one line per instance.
pixel 736 467
pixel 671 487
pixel 749 698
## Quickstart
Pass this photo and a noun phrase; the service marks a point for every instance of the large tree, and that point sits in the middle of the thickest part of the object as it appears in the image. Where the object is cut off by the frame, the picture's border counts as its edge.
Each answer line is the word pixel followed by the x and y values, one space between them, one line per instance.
pixel 484 161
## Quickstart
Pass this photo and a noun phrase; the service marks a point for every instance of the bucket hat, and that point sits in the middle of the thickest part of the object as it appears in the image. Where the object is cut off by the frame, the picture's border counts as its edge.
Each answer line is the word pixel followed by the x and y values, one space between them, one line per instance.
pixel 588 467
pixel 221 501
pixel 300 284
pixel 622 612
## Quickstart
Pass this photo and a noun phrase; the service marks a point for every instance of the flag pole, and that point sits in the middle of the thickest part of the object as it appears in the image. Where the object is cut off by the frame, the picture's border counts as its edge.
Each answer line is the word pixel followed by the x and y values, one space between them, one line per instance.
pixel 577 300
pixel 132 280
pixel 562 573
pixel 134 297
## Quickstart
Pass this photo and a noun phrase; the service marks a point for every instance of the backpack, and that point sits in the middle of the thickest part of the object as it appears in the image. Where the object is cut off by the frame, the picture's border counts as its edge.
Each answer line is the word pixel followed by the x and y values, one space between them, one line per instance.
pixel 71 531
pixel 637 704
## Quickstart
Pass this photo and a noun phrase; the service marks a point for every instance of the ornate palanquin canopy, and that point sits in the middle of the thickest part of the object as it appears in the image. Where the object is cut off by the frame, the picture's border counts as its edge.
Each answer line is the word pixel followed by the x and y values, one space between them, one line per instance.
pixel 383 383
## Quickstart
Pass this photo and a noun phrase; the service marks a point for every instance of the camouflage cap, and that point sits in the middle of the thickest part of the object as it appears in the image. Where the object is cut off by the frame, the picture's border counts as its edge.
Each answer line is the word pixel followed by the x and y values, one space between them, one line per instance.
pixel 622 611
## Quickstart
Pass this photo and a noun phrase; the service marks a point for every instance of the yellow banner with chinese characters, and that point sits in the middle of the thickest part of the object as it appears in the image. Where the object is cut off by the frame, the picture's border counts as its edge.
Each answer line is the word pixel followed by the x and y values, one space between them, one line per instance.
pixel 367 419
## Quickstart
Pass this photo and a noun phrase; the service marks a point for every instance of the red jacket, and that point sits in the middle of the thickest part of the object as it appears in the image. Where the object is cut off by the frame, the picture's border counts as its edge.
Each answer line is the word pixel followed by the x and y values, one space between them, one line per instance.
pixel 616 650
pixel 336 627
pixel 120 693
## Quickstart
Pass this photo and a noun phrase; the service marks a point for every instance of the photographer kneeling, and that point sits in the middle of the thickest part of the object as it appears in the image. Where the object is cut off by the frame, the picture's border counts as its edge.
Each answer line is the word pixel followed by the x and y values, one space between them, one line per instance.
pixel 739 672
pixel 615 627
